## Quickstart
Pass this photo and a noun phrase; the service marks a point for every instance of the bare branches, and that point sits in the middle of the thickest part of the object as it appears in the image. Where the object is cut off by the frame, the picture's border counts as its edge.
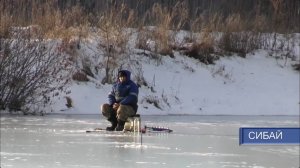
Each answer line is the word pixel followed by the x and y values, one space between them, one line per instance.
pixel 30 71
pixel 114 32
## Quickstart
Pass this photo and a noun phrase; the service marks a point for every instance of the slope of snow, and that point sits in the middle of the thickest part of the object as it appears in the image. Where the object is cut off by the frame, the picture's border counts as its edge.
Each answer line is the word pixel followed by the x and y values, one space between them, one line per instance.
pixel 255 85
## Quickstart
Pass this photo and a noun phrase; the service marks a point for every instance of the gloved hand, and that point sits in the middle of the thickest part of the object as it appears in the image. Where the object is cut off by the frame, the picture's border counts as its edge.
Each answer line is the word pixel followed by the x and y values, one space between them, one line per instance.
pixel 116 106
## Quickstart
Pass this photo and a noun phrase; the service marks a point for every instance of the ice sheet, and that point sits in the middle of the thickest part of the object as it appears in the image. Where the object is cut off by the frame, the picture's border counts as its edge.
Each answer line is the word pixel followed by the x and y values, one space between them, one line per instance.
pixel 197 141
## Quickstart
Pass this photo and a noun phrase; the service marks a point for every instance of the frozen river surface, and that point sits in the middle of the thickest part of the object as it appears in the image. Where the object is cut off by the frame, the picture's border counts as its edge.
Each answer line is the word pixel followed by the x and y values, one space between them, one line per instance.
pixel 60 141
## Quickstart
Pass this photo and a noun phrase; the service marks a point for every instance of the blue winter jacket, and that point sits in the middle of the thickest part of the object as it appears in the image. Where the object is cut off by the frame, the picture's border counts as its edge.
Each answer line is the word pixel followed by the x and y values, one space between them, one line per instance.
pixel 125 93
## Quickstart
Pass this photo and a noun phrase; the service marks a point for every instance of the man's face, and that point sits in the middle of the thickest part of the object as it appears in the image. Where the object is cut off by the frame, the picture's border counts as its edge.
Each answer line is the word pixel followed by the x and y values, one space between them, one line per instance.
pixel 122 78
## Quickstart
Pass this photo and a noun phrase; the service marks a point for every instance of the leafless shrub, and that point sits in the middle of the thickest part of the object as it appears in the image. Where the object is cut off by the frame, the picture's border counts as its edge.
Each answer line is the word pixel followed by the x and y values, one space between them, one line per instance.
pixel 30 72
pixel 86 68
pixel 167 51
pixel 188 68
pixel 296 67
pixel 165 99
pixel 80 76
pixel 240 42
pixel 140 79
pixel 284 48
pixel 70 46
pixel 152 100
pixel 204 52
pixel 240 36
pixel 69 102
pixel 222 72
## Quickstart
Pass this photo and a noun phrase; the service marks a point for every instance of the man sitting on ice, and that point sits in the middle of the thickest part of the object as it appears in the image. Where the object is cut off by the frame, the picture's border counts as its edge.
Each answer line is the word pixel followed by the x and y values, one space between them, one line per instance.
pixel 122 101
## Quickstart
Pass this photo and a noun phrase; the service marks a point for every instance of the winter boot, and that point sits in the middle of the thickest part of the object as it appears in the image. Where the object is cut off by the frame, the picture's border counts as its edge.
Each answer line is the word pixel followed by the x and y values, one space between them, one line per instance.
pixel 113 122
pixel 120 125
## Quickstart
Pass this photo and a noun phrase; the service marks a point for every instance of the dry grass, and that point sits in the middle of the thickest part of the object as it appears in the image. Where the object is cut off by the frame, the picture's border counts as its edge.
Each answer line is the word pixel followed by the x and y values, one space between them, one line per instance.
pixel 234 23
pixel 65 25
pixel 215 22
pixel 5 23
pixel 53 20
pixel 113 24
pixel 164 19
pixel 260 24
pixel 75 22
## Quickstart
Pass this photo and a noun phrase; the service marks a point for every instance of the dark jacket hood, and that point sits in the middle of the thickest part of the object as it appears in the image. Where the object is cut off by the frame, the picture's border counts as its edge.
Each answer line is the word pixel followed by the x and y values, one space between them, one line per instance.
pixel 128 74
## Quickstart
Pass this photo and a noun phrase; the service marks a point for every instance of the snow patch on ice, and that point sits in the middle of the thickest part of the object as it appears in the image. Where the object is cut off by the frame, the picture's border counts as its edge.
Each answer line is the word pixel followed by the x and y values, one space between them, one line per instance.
pixel 203 154
pixel 139 146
